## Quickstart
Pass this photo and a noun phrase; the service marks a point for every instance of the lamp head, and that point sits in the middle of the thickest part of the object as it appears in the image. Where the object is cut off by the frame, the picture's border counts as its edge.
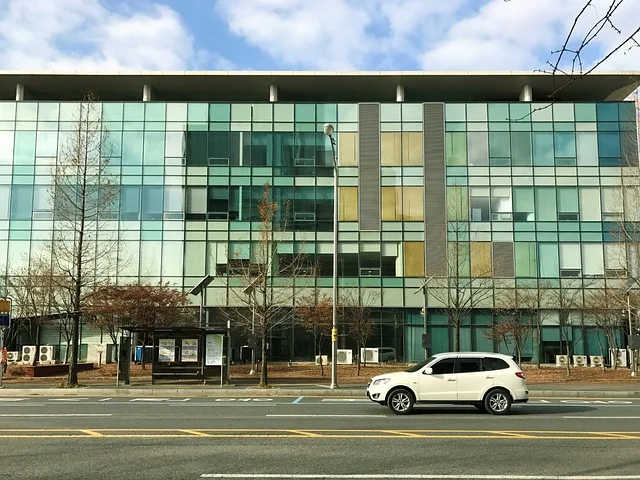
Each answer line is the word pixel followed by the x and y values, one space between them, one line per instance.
pixel 328 129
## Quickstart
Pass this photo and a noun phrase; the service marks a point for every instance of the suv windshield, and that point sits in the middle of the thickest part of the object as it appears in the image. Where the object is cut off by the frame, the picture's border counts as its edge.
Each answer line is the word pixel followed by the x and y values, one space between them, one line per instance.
pixel 420 365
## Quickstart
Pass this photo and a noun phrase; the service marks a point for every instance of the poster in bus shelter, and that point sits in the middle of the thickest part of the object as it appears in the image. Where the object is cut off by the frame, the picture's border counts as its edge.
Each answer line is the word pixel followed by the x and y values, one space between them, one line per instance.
pixel 213 350
pixel 189 350
pixel 167 350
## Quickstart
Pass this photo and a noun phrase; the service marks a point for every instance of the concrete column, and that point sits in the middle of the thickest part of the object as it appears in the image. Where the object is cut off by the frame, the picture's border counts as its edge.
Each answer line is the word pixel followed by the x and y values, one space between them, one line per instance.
pixel 20 92
pixel 273 93
pixel 148 94
pixel 526 95
pixel 400 93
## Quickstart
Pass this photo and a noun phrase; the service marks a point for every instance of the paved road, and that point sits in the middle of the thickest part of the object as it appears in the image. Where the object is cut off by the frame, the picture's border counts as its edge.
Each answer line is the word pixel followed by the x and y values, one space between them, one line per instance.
pixel 85 437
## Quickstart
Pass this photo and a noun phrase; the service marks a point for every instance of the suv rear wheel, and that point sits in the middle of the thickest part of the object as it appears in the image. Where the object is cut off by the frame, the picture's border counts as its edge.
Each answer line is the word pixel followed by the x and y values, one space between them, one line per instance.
pixel 497 402
pixel 400 401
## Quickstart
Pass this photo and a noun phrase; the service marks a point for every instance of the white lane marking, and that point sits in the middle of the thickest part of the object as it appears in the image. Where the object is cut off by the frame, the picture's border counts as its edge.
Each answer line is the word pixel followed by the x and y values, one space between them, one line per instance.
pixel 544 401
pixel 104 399
pixel 12 399
pixel 56 414
pixel 297 400
pixel 150 400
pixel 601 418
pixel 420 476
pixel 305 415
pixel 67 399
pixel 341 400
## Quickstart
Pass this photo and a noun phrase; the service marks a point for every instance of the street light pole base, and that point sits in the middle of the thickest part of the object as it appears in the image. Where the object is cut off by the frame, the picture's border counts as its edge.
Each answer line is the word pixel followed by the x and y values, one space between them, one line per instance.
pixel 633 374
pixel 252 372
pixel 333 386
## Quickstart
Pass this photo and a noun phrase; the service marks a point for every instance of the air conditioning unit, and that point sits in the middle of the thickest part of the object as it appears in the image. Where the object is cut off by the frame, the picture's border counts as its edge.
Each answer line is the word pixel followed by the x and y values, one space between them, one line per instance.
pixel 13 357
pixel 618 357
pixel 45 355
pixel 596 360
pixel 580 360
pixel 323 358
pixel 28 353
pixel 562 360
pixel 345 357
pixel 369 355
pixel 100 353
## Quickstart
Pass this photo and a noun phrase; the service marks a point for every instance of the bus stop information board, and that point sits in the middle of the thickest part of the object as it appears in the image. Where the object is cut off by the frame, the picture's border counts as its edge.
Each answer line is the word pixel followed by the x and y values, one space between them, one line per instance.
pixel 213 351
pixel 5 312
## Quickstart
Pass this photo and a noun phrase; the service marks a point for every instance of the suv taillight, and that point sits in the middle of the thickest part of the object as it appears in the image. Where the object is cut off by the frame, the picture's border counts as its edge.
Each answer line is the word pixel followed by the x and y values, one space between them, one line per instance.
pixel 520 374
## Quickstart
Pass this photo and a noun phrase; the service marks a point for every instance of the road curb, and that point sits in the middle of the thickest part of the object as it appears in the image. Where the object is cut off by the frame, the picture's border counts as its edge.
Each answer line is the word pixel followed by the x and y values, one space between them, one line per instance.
pixel 239 392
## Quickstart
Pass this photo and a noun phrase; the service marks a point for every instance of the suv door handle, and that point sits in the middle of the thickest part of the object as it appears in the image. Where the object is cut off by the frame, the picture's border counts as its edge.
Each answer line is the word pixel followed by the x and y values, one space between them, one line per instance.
pixel 451 380
pixel 490 378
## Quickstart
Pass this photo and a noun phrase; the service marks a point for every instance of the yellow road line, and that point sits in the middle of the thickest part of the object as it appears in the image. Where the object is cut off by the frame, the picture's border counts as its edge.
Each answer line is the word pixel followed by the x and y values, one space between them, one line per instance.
pixel 403 433
pixel 305 433
pixel 92 433
pixel 196 433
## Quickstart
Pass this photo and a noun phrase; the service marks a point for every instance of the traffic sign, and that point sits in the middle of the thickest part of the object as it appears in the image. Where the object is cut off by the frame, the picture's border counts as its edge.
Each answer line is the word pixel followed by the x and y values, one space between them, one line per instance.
pixel 4 320
pixel 5 306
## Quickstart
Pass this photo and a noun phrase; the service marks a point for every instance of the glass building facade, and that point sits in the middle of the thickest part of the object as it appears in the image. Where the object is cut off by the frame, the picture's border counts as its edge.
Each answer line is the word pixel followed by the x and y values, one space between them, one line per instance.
pixel 528 190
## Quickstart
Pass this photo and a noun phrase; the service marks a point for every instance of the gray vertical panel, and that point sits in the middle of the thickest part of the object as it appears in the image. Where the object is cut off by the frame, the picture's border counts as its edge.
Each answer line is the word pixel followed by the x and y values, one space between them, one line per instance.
pixel 435 189
pixel 369 169
pixel 503 260
pixel 629 140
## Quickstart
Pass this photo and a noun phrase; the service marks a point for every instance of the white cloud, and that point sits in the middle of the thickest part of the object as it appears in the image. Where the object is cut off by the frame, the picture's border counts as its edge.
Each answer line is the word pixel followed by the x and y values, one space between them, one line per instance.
pixel 84 34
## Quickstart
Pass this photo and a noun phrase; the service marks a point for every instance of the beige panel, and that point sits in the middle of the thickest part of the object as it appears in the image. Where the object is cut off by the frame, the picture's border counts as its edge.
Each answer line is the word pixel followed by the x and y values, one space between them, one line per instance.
pixel 480 259
pixel 412 147
pixel 348 149
pixel 414 259
pixel 413 204
pixel 390 148
pixel 348 204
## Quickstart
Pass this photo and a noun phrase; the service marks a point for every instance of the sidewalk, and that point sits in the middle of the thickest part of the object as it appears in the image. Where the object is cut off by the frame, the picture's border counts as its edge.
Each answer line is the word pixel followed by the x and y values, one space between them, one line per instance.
pixel 247 388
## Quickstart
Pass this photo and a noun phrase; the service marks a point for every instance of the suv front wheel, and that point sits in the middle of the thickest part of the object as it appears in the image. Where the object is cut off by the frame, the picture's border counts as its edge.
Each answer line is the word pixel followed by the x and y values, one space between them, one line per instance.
pixel 497 402
pixel 400 401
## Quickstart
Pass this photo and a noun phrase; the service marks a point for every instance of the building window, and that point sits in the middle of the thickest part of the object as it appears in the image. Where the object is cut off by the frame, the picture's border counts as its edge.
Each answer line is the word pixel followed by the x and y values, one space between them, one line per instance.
pixel 568 204
pixel 478 148
pixel 480 205
pixel 546 204
pixel 458 204
pixel 456 148
pixel 402 203
pixel 501 204
pixel 570 260
pixel 348 204
pixel 525 259
pixel 523 204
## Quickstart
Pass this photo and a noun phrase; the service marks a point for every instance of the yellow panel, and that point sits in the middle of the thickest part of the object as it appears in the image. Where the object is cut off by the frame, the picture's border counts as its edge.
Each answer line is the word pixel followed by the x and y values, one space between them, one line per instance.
pixel 390 149
pixel 412 147
pixel 414 259
pixel 391 203
pixel 480 259
pixel 348 149
pixel 348 205
pixel 413 204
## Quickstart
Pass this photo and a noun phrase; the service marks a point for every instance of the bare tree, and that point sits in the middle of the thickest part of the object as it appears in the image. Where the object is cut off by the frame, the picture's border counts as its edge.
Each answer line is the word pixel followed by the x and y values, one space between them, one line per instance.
pixel 32 287
pixel 84 197
pixel 604 307
pixel 269 281
pixel 315 315
pixel 595 18
pixel 357 307
pixel 515 325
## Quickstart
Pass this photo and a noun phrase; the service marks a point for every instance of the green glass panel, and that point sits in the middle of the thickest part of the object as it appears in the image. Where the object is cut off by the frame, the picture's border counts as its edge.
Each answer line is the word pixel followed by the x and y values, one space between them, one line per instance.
pixel 153 148
pixel 549 260
pixel 198 112
pixel 520 112
pixel 627 112
pixel 154 112
pixel 390 112
pixel 7 111
pixel 523 204
pixel 132 147
pixel 565 144
pixel 476 112
pixel 525 259
pixel 133 112
pixel 543 154
pixel 241 112
pixel 608 126
pixel 585 112
pixel 521 148
pixel 305 112
pixel 326 113
pixel 219 112
pixel 455 112
pixel 499 145
pixel 412 112
pixel 567 199
pixel 478 148
pixel 498 126
pixel 564 127
pixel 498 112
pixel 456 148
pixel 541 112
pixel 608 144
pixel 27 111
pixel 25 148
pixel 283 112
pixel 546 204
pixel 48 112
pixel 563 112
pixel 607 112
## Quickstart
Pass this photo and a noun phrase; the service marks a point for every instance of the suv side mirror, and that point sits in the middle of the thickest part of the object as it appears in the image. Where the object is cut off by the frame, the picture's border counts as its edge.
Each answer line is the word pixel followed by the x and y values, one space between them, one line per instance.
pixel 427 371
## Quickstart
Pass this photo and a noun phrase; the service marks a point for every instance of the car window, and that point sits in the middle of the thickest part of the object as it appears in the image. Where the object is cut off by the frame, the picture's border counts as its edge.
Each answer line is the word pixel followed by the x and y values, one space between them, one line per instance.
pixel 420 365
pixel 444 366
pixel 469 365
pixel 492 363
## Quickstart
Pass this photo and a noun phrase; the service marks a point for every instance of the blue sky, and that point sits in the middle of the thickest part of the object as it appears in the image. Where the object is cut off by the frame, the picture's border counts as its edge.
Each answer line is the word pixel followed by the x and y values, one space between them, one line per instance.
pixel 330 35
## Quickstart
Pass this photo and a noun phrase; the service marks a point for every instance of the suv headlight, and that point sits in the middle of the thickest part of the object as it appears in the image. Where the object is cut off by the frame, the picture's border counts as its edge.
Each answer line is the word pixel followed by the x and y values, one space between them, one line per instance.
pixel 381 381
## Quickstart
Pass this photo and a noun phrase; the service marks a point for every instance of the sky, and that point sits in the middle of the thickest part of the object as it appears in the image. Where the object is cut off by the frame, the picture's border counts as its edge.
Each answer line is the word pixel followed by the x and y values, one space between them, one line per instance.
pixel 327 35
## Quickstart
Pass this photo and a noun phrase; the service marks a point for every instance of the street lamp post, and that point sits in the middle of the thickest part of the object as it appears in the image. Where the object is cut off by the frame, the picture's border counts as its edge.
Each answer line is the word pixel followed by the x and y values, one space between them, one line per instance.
pixel 328 131
pixel 424 290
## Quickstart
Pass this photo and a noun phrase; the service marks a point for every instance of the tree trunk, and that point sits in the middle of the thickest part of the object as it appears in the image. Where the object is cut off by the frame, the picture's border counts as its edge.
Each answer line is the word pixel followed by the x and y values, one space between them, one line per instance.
pixel 457 337
pixel 539 345
pixel 264 382
pixel 358 356
pixel 37 344
pixel 144 346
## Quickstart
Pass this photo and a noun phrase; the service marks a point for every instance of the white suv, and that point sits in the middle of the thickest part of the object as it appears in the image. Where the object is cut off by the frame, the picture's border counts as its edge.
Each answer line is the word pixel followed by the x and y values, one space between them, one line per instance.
pixel 489 381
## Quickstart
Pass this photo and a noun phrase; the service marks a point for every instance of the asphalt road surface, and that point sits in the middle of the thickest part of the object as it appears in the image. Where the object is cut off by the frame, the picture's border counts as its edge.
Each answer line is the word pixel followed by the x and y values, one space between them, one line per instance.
pixel 314 438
